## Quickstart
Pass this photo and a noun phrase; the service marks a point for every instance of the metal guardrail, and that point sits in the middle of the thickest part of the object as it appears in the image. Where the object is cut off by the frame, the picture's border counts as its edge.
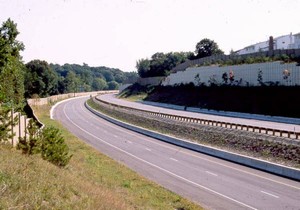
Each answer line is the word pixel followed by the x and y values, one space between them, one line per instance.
pixel 256 129
pixel 274 168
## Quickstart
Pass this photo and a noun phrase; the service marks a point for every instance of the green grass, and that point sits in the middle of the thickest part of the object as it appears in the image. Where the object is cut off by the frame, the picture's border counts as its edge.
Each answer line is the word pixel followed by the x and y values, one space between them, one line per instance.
pixel 138 97
pixel 90 181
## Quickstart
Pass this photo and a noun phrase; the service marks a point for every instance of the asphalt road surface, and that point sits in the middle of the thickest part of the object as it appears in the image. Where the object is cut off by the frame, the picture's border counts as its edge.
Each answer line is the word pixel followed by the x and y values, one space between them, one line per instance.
pixel 209 181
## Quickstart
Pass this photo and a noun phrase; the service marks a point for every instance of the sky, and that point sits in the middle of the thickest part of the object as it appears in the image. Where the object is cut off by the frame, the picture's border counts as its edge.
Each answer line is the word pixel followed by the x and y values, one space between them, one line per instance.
pixel 117 33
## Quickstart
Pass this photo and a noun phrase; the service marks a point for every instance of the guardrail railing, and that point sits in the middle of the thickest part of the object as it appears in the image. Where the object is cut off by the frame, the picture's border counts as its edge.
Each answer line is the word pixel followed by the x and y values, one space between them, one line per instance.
pixel 250 128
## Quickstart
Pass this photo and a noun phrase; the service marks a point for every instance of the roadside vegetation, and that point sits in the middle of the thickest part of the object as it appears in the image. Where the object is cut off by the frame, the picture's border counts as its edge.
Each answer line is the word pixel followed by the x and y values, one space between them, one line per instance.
pixel 90 180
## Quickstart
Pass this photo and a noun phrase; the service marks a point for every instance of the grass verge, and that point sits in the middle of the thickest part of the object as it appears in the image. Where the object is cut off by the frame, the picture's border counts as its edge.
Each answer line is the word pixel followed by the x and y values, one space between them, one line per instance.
pixel 90 181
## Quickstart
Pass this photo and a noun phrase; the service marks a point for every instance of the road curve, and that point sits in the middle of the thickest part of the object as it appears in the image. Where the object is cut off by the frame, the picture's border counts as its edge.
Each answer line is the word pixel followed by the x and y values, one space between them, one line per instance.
pixel 242 121
pixel 214 183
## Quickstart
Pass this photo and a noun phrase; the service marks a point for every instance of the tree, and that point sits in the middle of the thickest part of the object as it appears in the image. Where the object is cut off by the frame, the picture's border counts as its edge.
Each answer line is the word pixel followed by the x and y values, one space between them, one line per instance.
pixel 53 147
pixel 30 144
pixel 207 47
pixel 160 64
pixel 11 67
pixel 99 84
pixel 113 85
pixel 5 124
pixel 143 67
pixel 108 76
pixel 131 77
pixel 71 82
pixel 40 79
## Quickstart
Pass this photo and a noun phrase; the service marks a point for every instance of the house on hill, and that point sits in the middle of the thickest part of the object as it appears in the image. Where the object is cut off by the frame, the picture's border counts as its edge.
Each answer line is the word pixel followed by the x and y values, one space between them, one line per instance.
pixel 285 42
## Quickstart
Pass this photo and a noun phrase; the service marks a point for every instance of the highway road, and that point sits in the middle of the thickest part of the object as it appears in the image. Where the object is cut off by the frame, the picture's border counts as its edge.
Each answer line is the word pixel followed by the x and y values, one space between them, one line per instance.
pixel 209 181
pixel 253 122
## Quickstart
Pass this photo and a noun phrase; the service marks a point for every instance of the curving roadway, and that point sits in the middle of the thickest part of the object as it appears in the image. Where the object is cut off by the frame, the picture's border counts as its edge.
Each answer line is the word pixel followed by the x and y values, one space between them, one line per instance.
pixel 209 181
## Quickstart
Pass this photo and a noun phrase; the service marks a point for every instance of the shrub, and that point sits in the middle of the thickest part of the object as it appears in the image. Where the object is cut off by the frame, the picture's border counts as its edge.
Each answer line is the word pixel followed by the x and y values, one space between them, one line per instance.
pixel 54 148
pixel 32 145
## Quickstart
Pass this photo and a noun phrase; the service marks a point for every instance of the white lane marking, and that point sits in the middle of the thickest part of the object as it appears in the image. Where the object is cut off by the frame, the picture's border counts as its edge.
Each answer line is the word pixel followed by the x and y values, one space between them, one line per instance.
pixel 130 142
pixel 275 196
pixel 158 167
pixel 115 136
pixel 60 102
pixel 174 159
pixel 208 172
pixel 189 152
pixel 148 149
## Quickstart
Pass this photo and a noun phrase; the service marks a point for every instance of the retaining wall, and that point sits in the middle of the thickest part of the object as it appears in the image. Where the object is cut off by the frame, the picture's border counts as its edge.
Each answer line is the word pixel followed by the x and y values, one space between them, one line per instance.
pixel 52 99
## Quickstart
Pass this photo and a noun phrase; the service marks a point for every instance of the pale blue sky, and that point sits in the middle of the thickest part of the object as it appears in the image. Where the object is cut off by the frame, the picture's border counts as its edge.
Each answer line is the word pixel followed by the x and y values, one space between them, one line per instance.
pixel 116 33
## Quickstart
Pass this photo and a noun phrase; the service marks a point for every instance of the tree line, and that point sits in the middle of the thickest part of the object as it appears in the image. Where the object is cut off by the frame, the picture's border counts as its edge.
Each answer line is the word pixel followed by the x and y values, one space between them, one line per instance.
pixel 43 79
pixel 37 78
pixel 160 64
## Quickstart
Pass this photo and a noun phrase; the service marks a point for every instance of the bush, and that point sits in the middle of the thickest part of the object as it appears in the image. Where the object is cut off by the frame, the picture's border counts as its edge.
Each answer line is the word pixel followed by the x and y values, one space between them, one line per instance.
pixel 54 148
pixel 49 143
pixel 32 146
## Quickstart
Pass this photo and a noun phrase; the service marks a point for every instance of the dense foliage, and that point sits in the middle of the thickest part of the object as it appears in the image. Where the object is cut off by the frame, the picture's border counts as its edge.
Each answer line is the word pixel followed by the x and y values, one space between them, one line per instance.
pixel 161 64
pixel 11 67
pixel 49 143
pixel 11 77
pixel 78 78
pixel 207 47
pixel 53 147
pixel 40 79
pixel 43 79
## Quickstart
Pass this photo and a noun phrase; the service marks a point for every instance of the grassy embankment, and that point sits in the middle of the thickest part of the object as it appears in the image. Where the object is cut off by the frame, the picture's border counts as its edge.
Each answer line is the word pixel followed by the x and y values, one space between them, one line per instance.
pixel 90 181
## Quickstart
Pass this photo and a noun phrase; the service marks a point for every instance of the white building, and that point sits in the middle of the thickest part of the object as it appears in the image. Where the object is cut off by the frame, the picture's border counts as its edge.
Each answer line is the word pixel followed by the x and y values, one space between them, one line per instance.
pixel 279 43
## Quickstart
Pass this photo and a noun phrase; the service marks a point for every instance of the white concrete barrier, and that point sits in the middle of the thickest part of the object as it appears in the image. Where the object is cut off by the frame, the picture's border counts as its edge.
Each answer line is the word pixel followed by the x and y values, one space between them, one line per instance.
pixel 277 169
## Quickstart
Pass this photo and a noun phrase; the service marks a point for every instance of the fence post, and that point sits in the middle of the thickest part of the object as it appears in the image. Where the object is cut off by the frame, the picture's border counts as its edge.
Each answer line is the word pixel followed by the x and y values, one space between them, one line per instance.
pixel 12 126
pixel 19 126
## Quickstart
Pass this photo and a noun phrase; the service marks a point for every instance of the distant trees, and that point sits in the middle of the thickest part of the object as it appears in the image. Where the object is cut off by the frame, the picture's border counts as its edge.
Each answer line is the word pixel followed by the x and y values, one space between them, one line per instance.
pixel 43 79
pixel 71 82
pixel 99 84
pixel 78 78
pixel 160 64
